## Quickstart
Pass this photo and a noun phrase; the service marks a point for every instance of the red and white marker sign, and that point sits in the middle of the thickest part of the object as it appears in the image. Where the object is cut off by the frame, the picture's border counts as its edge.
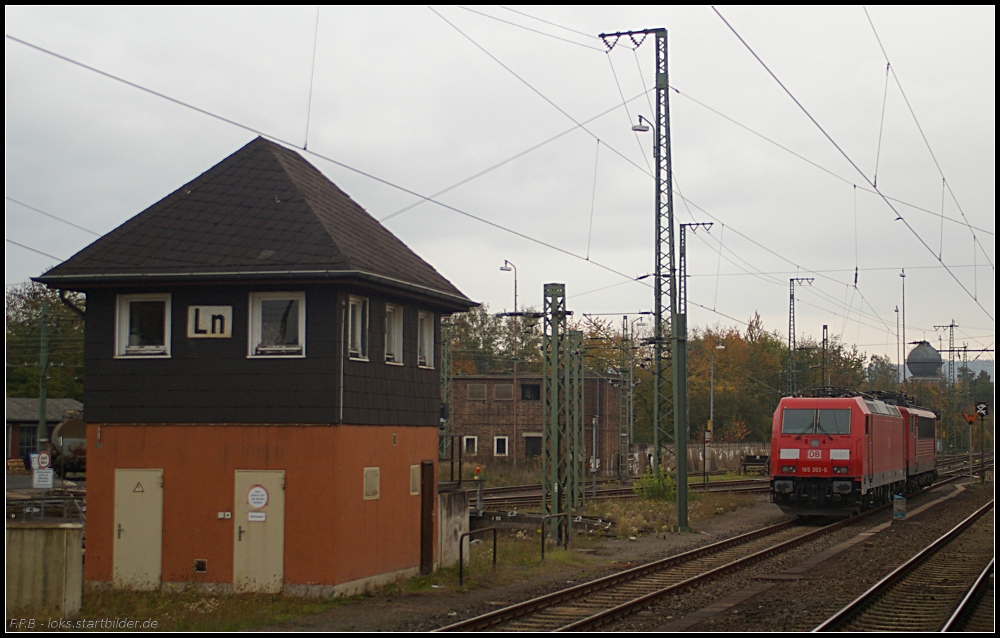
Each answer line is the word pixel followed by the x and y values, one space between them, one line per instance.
pixel 44 460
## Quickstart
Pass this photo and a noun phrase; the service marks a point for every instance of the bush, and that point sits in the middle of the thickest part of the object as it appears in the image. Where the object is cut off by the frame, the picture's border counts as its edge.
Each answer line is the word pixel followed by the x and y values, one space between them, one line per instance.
pixel 655 486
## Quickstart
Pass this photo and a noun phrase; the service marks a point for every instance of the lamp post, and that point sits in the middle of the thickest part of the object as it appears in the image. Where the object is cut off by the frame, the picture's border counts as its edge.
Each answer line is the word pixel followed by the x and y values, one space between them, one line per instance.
pixel 508 267
pixel 711 419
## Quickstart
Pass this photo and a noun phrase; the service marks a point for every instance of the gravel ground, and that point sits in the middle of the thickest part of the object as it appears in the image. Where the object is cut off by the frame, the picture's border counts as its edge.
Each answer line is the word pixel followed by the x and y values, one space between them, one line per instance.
pixel 436 608
pixel 800 599
pixel 752 600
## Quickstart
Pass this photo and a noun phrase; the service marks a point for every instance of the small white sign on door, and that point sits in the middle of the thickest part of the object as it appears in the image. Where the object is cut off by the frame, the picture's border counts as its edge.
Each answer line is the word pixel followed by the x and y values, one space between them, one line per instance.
pixel 257 496
pixel 257 517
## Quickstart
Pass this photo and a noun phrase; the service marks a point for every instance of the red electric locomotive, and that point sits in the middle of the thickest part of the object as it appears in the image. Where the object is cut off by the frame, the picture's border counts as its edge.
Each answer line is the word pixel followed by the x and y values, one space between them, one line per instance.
pixel 843 452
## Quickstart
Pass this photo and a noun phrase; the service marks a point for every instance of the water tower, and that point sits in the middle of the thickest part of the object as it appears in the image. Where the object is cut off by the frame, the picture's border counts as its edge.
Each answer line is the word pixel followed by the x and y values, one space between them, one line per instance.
pixel 924 362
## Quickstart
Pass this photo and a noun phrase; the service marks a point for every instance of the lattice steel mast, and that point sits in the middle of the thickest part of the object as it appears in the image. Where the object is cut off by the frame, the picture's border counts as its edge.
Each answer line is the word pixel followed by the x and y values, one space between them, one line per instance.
pixel 791 330
pixel 665 305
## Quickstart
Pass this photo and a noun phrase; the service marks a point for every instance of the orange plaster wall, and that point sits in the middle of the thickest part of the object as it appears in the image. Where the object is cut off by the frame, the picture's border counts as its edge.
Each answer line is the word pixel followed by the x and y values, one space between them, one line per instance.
pixel 332 535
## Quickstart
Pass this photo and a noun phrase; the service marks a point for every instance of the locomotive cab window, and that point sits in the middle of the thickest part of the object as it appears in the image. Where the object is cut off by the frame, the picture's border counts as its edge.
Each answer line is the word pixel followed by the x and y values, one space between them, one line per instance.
pixel 816 421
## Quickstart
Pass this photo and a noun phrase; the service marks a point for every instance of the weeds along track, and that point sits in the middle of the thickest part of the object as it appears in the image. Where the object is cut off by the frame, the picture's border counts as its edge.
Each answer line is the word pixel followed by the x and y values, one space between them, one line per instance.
pixel 924 593
pixel 594 604
pixel 530 495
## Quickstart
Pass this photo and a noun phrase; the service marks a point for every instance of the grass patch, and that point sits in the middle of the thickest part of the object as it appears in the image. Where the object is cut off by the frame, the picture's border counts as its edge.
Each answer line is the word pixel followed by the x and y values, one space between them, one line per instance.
pixel 635 517
pixel 501 472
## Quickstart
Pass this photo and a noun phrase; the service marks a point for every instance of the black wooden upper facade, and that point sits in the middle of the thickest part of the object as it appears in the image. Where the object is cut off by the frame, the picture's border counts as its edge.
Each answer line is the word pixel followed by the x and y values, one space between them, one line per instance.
pixel 259 293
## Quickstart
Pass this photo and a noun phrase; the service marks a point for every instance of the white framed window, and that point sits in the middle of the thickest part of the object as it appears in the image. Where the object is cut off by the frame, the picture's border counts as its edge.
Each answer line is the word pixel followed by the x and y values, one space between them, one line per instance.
pixel 425 339
pixel 277 324
pixel 470 445
pixel 393 334
pixel 357 329
pixel 500 446
pixel 372 486
pixel 142 325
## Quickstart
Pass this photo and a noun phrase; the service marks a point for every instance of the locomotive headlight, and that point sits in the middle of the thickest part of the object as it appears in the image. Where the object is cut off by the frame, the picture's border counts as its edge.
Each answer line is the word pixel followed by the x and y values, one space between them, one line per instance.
pixel 840 469
pixel 788 469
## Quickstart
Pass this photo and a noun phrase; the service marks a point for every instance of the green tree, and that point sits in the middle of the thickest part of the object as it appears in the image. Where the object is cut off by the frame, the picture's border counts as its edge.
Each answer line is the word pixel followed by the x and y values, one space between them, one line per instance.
pixel 484 343
pixel 881 374
pixel 65 342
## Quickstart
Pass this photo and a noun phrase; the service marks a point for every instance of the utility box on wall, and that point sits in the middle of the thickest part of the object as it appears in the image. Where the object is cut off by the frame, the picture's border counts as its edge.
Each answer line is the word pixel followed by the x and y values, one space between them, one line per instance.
pixel 44 566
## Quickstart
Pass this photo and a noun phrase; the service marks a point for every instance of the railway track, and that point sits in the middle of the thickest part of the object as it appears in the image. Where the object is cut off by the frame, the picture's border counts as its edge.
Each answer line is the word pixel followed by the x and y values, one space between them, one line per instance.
pixel 602 601
pixel 924 593
pixel 976 611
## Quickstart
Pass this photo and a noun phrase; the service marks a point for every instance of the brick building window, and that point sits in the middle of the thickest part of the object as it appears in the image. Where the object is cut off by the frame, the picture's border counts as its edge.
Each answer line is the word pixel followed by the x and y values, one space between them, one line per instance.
pixel 499 446
pixel 28 441
pixel 531 392
pixel 476 391
pixel 532 446
pixel 503 392
pixel 470 445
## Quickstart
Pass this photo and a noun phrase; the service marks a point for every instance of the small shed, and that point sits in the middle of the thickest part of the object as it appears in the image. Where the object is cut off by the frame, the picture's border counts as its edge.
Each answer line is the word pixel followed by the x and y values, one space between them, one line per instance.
pixel 22 423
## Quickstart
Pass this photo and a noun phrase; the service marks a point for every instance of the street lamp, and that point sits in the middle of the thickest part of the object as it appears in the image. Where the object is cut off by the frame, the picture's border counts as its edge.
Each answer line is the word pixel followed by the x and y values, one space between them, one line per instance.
pixel 711 420
pixel 640 127
pixel 508 267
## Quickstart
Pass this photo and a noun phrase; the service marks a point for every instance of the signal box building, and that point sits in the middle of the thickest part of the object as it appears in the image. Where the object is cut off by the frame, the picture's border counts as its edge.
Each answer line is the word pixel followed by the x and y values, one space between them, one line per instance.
pixel 262 387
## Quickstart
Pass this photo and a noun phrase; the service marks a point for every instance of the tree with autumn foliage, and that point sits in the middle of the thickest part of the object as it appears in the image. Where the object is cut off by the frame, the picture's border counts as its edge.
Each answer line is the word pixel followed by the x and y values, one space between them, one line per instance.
pixel 486 343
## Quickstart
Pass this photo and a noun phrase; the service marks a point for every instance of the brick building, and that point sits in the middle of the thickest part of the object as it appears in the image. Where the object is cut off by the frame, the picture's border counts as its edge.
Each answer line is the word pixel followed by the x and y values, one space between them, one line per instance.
pixel 498 420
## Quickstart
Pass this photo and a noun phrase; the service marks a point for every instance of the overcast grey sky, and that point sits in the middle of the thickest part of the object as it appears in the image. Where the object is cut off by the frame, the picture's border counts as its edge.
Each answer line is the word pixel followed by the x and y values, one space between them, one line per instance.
pixel 424 98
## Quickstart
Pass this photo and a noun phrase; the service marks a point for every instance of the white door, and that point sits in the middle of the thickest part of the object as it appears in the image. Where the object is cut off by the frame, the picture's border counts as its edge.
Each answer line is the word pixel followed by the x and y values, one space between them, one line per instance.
pixel 138 533
pixel 259 531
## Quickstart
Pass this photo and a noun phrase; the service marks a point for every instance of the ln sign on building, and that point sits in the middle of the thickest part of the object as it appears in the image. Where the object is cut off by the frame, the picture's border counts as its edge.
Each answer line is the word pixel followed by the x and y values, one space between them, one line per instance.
pixel 210 322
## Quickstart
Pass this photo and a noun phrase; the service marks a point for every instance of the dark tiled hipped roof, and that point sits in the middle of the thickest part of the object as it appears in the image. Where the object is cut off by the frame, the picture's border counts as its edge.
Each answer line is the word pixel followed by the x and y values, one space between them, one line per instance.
pixel 263 212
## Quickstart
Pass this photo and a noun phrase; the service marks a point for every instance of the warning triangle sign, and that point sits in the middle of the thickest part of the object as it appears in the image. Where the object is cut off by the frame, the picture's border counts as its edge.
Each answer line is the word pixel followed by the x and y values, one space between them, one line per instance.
pixel 138 488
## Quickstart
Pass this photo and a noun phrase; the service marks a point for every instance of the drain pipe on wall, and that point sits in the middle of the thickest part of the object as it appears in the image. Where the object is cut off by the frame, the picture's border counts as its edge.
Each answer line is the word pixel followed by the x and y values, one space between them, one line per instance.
pixel 343 349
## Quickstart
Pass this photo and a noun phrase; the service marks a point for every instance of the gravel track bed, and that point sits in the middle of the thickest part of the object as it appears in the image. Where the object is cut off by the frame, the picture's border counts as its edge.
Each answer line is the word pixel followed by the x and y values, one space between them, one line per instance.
pixel 795 605
pixel 803 603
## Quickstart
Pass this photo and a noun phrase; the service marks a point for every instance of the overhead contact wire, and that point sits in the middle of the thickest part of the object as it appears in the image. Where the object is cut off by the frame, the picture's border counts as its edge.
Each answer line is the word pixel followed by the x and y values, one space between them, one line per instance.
pixel 899 216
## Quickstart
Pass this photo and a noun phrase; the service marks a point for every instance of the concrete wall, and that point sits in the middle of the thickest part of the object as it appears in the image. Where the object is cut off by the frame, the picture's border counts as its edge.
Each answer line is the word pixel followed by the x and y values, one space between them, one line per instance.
pixel 44 566
pixel 453 521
